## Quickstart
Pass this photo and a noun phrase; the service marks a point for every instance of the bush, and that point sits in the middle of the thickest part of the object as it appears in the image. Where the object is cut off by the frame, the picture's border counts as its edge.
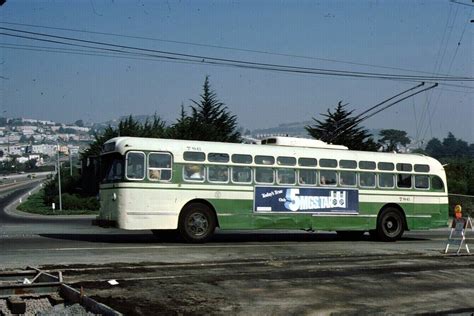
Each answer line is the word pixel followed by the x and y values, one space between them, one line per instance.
pixel 76 202
pixel 72 205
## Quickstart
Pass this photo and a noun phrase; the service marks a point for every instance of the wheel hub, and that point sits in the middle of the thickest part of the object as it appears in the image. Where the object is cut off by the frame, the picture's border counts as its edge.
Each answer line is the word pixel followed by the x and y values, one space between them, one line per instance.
pixel 198 224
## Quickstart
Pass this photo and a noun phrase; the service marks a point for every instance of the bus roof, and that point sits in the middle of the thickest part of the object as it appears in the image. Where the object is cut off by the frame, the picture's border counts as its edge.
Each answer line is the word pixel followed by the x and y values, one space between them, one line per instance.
pixel 178 147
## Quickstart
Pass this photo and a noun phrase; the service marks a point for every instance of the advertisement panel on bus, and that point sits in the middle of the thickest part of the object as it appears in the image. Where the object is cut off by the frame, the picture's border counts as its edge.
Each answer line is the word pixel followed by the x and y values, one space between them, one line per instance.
pixel 306 200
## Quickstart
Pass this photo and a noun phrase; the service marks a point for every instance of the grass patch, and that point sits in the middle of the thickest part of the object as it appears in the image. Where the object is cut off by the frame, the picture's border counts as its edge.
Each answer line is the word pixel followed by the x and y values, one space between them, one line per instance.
pixel 35 204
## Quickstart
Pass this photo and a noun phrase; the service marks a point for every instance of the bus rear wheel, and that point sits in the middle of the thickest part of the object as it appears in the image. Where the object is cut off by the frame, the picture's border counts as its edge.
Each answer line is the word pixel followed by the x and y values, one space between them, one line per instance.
pixel 197 223
pixel 390 224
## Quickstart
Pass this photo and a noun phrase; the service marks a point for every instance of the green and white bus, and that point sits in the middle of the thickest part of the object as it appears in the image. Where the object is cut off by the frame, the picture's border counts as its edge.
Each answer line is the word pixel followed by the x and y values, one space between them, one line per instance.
pixel 282 183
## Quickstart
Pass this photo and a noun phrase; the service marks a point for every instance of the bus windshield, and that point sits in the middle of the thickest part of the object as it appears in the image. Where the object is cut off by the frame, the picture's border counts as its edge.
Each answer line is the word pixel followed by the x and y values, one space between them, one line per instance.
pixel 112 167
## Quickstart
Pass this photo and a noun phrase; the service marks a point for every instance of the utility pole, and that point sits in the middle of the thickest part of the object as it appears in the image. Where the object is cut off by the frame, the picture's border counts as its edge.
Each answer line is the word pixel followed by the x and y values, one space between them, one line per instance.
pixel 70 161
pixel 59 183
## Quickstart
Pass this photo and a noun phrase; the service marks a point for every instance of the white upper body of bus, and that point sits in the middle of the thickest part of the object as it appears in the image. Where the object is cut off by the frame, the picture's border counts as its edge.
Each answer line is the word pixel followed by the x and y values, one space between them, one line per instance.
pixel 276 147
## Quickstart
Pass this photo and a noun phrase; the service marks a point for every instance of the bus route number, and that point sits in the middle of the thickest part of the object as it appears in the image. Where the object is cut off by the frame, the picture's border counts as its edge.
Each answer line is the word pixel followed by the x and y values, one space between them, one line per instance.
pixel 405 199
pixel 194 148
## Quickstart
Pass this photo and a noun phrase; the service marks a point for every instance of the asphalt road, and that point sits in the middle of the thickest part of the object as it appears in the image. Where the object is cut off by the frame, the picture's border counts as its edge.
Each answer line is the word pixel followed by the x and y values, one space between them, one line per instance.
pixel 269 272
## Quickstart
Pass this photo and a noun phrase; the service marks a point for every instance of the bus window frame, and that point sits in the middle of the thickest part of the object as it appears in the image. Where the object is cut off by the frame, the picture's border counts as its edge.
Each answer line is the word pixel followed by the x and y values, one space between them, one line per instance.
pixel 217 166
pixel 211 157
pixel 316 178
pixel 411 187
pixel 112 158
pixel 386 188
pixel 421 175
pixel 238 182
pixel 160 169
pixel 367 186
pixel 328 185
pixel 191 180
pixel 144 165
pixel 432 177
pixel 280 163
pixel 278 176
pixel 347 185
pixel 255 175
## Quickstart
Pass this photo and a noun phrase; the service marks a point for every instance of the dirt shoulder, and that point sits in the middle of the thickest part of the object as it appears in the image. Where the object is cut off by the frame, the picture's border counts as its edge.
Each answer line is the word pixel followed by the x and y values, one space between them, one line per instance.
pixel 296 285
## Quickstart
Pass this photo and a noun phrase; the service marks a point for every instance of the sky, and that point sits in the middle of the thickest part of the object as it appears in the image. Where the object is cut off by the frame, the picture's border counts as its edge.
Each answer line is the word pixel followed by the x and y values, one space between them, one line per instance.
pixel 420 38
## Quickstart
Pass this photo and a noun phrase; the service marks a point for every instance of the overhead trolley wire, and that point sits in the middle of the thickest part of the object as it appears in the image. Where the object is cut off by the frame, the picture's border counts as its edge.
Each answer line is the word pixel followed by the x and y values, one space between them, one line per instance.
pixel 435 106
pixel 361 118
pixel 214 46
pixel 233 62
pixel 425 114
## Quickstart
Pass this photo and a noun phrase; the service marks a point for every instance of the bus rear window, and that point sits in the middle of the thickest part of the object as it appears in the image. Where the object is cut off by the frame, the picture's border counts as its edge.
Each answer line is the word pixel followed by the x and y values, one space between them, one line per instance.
pixel 437 184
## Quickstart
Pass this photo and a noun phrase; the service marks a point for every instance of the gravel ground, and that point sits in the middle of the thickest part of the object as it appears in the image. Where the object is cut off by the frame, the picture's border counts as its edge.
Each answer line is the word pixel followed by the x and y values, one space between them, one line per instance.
pixel 42 307
pixel 304 285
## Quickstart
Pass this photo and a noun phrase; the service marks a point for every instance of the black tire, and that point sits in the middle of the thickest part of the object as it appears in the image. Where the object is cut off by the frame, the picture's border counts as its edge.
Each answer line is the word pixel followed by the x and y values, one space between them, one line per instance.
pixel 350 234
pixel 197 223
pixel 390 224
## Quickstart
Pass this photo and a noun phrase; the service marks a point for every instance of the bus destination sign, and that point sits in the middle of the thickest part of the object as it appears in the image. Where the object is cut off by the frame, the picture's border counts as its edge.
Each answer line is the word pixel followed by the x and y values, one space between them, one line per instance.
pixel 306 200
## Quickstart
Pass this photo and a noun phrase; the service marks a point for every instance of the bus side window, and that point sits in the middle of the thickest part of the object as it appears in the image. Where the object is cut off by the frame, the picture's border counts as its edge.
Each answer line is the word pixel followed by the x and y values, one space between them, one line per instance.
pixel 218 174
pixel 367 180
pixel 347 178
pixel 422 182
pixel 307 176
pixel 135 165
pixel 193 172
pixel 386 180
pixel 159 166
pixel 404 181
pixel 264 175
pixel 241 174
pixel 286 176
pixel 327 177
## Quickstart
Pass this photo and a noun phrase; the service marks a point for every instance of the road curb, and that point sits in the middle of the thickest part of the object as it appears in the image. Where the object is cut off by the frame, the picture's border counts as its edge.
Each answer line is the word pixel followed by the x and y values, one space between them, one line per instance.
pixel 11 209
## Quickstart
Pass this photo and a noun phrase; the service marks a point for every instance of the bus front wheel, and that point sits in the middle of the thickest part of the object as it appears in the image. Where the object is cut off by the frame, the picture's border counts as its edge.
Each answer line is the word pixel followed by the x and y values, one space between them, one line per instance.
pixel 197 223
pixel 390 224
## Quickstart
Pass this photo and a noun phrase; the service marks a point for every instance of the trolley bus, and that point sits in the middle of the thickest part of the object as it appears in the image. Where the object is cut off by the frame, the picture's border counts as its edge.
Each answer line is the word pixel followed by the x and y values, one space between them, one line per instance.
pixel 194 187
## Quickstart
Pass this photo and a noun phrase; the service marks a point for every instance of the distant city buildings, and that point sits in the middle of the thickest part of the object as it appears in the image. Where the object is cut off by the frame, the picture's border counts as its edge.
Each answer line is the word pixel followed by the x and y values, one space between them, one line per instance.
pixel 27 139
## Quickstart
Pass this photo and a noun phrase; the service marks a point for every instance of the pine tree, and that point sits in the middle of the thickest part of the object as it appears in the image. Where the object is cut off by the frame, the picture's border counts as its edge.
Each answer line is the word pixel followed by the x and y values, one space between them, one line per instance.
pixel 210 119
pixel 391 138
pixel 182 128
pixel 341 128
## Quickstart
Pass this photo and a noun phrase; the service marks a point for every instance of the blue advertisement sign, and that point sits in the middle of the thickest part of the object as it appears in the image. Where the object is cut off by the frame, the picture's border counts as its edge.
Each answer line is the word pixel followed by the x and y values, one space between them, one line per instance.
pixel 306 200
